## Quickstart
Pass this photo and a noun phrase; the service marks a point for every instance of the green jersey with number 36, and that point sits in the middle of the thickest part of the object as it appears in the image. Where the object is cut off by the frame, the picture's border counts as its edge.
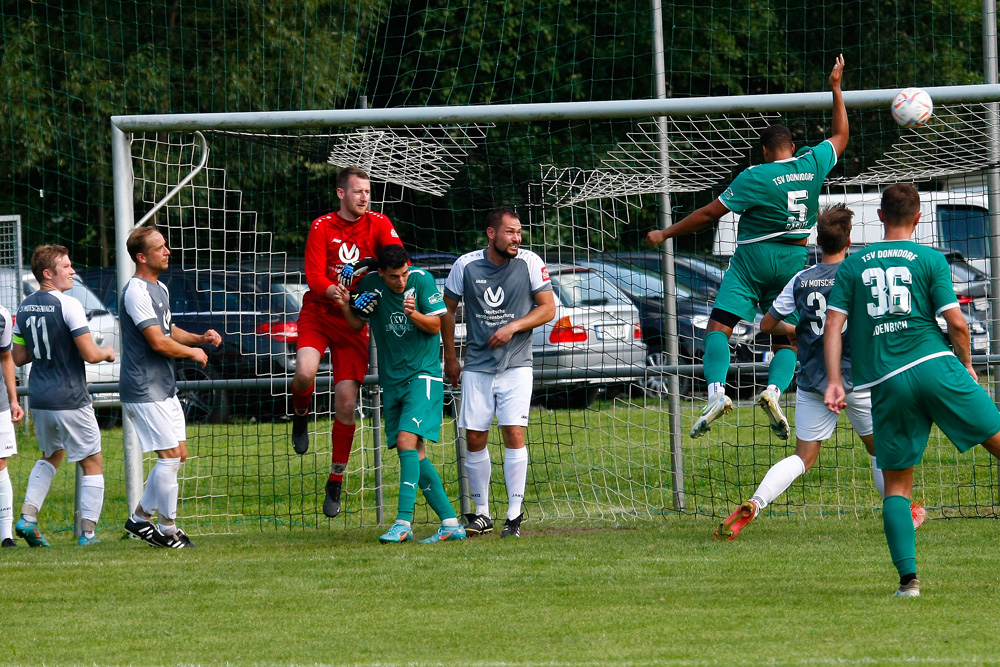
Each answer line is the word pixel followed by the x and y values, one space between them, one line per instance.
pixel 892 293
pixel 779 200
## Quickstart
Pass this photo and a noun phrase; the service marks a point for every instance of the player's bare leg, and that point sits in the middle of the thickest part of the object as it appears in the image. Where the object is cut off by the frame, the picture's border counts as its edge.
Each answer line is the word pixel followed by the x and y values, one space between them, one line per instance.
pixel 307 360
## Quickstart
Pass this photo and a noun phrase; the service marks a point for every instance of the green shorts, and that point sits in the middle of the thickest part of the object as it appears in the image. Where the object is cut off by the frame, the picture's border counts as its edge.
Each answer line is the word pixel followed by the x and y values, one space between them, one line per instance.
pixel 415 407
pixel 756 275
pixel 939 390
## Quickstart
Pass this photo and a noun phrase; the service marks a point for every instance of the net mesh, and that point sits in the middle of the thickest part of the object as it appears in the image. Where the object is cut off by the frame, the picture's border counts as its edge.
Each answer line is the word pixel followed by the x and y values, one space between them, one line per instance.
pixel 587 191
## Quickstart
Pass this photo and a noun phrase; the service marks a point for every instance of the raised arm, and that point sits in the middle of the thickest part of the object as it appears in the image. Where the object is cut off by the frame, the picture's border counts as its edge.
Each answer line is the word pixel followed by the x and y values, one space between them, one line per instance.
pixel 840 127
pixel 704 217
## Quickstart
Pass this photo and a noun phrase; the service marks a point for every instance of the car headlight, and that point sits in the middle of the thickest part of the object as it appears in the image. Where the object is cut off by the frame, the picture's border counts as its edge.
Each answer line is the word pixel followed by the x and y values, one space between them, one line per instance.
pixel 700 321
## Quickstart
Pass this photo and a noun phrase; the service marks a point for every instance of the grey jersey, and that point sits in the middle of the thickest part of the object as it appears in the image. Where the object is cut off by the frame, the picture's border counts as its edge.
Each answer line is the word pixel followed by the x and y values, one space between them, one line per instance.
pixel 147 376
pixel 807 293
pixel 6 338
pixel 47 324
pixel 496 296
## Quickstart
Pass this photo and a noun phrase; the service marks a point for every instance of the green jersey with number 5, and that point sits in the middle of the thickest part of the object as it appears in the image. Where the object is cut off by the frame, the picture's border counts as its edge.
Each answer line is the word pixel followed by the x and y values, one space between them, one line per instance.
pixel 892 293
pixel 779 200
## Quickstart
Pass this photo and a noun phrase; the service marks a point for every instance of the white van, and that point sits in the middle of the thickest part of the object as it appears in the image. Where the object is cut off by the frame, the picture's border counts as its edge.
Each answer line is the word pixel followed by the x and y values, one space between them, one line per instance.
pixel 957 219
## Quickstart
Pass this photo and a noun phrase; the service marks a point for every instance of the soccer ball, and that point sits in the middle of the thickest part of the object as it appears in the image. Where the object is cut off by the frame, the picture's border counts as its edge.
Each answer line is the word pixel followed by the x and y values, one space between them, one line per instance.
pixel 912 107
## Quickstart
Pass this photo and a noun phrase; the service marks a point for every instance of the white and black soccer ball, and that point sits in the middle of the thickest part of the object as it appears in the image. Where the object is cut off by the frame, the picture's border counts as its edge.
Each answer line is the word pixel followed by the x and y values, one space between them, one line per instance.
pixel 912 107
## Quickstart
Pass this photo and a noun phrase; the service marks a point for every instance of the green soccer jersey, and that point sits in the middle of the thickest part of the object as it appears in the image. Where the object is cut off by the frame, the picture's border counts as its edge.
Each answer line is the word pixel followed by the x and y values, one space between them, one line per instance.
pixel 892 293
pixel 780 199
pixel 404 351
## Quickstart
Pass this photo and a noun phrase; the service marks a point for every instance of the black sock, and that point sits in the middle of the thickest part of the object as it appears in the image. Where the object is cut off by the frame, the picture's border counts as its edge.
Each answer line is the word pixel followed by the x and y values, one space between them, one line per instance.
pixel 907 578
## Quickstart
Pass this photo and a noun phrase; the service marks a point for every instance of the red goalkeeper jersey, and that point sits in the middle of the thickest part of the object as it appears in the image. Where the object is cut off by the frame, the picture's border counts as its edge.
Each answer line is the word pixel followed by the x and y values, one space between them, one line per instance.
pixel 334 242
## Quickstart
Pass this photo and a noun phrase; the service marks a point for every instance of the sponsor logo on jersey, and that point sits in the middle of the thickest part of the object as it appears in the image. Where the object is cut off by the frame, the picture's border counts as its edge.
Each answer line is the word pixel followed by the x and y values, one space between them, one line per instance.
pixel 480 282
pixel 399 324
pixel 545 274
pixel 393 234
pixel 410 292
pixel 493 297
pixel 349 253
pixel 435 298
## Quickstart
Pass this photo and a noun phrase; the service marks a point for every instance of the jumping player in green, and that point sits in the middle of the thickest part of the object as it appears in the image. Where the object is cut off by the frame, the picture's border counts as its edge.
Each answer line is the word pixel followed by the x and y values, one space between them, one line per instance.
pixel 404 307
pixel 777 202
pixel 890 294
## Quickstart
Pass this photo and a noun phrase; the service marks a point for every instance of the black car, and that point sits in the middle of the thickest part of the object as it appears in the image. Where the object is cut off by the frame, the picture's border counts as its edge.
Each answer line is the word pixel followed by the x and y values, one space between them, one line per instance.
pixel 258 332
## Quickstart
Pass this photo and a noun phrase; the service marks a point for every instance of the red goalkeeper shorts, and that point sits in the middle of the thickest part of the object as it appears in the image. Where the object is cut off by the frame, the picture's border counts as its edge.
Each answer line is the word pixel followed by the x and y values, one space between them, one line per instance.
pixel 320 330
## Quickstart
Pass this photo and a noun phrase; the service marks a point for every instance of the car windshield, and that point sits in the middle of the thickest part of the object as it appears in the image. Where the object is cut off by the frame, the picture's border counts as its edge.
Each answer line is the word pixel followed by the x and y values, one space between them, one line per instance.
pixel 963 272
pixel 637 284
pixel 577 287
pixel 91 304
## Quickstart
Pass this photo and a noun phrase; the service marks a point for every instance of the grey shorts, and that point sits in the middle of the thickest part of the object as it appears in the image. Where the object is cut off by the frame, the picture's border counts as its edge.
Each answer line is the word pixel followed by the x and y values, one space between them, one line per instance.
pixel 73 430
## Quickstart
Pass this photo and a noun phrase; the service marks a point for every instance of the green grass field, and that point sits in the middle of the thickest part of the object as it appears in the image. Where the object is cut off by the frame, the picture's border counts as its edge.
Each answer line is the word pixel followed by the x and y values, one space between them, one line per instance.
pixel 606 574
pixel 788 591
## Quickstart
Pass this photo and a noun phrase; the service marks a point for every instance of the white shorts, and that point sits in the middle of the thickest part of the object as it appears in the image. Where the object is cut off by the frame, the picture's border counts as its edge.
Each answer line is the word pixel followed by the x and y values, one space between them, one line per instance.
pixel 159 425
pixel 74 430
pixel 814 421
pixel 506 394
pixel 8 444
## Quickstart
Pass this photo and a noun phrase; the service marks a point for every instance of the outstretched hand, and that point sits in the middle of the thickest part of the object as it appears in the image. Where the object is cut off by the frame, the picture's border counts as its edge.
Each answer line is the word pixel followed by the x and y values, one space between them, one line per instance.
pixel 837 75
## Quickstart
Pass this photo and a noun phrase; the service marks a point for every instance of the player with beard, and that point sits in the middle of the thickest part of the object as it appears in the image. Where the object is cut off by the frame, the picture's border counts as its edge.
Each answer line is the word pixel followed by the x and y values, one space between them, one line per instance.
pixel 507 294
pixel 340 248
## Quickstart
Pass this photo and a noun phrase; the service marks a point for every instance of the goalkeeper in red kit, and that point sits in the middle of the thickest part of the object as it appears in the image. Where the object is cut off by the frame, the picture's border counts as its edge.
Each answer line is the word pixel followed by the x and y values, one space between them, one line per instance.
pixel 340 248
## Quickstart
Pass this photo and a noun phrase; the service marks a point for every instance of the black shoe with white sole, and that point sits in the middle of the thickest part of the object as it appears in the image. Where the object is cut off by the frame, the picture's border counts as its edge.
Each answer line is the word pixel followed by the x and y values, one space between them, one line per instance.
pixel 477 524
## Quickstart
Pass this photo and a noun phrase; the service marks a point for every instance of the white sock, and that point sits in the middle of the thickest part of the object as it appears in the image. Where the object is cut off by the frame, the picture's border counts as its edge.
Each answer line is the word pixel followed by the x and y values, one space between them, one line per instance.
pixel 91 497
pixel 403 522
pixel 148 500
pixel 38 485
pixel 478 467
pixel 6 506
pixel 714 389
pixel 778 478
pixel 515 472
pixel 878 477
pixel 450 522
pixel 773 388
pixel 167 489
pixel 166 529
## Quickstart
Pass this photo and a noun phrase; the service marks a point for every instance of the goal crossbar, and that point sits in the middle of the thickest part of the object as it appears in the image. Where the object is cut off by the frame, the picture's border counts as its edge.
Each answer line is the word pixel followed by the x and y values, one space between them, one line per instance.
pixel 269 120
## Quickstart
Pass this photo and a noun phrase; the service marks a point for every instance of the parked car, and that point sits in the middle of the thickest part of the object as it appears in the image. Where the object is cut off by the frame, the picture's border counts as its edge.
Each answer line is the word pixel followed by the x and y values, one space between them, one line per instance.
pixel 699 275
pixel 257 329
pixel 103 328
pixel 596 327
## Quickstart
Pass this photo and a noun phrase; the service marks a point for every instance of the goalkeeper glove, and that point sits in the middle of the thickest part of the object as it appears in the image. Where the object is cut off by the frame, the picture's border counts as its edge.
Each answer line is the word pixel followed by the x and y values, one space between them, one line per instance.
pixel 350 272
pixel 364 304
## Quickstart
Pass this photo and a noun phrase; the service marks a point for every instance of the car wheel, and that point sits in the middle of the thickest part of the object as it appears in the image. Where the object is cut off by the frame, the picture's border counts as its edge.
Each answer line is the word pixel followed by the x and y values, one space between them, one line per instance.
pixel 211 406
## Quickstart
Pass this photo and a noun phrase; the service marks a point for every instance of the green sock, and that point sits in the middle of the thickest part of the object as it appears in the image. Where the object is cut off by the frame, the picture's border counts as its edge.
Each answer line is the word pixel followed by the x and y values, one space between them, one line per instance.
pixel 430 484
pixel 782 368
pixel 716 358
pixel 409 473
pixel 899 533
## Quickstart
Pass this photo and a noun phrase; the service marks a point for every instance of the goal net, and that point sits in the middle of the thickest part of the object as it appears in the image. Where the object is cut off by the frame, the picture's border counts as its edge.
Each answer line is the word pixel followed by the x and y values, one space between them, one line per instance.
pixel 603 433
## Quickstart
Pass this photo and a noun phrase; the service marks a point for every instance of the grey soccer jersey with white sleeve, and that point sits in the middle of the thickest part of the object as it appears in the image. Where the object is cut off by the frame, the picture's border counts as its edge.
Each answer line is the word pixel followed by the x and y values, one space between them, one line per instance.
pixel 47 324
pixel 147 376
pixel 6 338
pixel 807 292
pixel 496 296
